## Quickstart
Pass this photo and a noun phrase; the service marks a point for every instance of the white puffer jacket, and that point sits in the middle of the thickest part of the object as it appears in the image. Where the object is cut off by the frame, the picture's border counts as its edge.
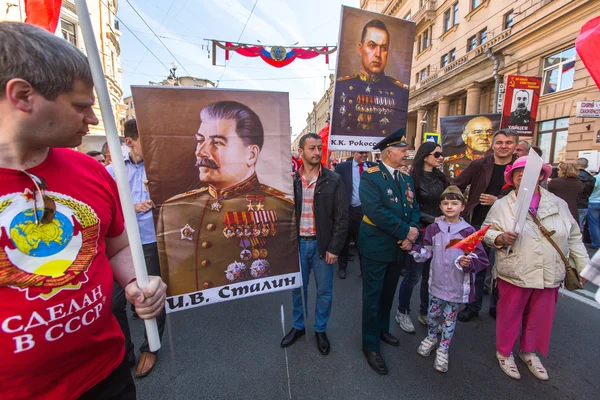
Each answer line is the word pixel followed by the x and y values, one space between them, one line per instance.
pixel 532 261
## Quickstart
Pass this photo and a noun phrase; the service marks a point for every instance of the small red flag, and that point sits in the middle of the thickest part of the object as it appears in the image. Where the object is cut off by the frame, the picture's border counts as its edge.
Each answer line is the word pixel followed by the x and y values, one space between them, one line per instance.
pixel 469 243
pixel 587 47
pixel 324 134
pixel 43 13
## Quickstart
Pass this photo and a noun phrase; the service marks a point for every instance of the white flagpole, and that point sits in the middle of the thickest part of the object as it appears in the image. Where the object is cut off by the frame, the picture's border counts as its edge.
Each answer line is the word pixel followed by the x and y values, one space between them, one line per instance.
pixel 112 137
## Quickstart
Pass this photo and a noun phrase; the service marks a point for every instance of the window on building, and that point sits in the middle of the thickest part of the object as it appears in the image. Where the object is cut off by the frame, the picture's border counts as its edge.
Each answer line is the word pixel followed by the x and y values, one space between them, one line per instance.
pixel 475 4
pixel 508 19
pixel 472 43
pixel 552 139
pixel 452 55
pixel 483 36
pixel 68 31
pixel 407 16
pixel 444 61
pixel 447 20
pixel 423 74
pixel 426 39
pixel 559 71
pixel 417 77
pixel 455 13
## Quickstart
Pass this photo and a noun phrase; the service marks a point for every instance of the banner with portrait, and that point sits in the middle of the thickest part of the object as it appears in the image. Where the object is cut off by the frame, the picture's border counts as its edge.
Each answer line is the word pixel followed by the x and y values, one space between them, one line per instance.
pixel 370 98
pixel 466 138
pixel 218 167
pixel 521 104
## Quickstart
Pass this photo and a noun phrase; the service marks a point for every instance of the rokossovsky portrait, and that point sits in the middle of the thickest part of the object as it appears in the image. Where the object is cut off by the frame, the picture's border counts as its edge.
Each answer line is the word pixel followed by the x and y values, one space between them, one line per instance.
pixel 372 79
pixel 218 168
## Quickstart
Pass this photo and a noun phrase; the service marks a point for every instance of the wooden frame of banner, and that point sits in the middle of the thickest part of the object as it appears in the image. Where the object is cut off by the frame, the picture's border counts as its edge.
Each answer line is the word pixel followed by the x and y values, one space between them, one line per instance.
pixel 112 137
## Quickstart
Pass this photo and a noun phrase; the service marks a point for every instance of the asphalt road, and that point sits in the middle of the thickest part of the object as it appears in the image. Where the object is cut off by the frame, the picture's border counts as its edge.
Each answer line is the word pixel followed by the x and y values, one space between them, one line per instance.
pixel 231 351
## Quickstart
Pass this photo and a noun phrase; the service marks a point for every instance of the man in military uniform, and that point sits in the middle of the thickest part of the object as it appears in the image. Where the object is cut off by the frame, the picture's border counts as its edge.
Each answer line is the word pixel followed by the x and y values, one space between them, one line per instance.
pixel 521 115
pixel 233 228
pixel 477 136
pixel 388 230
pixel 370 102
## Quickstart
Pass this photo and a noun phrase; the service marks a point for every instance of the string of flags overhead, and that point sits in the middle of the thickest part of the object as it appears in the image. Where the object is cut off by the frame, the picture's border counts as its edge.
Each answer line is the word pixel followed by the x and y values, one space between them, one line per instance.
pixel 276 56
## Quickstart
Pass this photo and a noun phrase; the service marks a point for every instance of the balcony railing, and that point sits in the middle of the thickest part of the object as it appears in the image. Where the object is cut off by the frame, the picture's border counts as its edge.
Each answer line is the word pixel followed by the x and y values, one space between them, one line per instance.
pixel 425 14
pixel 479 50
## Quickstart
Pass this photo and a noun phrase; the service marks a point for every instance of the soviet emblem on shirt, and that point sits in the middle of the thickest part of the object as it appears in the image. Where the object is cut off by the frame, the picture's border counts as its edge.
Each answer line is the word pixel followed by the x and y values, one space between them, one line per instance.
pixel 46 258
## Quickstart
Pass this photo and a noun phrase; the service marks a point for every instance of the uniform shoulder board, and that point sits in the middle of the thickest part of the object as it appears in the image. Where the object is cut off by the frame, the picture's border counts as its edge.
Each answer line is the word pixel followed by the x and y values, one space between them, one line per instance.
pixel 275 193
pixel 398 83
pixel 373 169
pixel 187 194
pixel 454 157
pixel 347 77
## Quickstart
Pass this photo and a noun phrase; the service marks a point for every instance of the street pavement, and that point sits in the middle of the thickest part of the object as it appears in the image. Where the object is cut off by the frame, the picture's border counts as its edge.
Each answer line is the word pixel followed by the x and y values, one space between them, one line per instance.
pixel 231 351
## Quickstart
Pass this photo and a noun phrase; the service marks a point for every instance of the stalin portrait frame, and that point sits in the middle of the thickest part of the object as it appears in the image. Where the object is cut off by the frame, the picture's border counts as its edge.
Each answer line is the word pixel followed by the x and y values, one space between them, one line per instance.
pixel 370 98
pixel 217 162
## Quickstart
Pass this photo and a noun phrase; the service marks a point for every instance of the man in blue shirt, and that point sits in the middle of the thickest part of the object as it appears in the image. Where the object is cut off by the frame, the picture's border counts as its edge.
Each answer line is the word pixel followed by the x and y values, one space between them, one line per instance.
pixel 351 171
pixel 136 173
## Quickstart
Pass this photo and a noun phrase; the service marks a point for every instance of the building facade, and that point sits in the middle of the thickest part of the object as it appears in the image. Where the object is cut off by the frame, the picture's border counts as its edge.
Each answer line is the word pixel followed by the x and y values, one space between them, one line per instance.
pixel 107 32
pixel 464 49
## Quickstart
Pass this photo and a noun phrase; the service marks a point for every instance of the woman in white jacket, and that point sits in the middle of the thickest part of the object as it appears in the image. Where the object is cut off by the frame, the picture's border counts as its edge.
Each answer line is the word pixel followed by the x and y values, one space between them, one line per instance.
pixel 529 276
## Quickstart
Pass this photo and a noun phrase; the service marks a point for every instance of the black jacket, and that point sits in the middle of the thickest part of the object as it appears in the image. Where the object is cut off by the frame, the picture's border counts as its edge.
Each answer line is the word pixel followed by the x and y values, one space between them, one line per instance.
pixel 429 188
pixel 588 181
pixel 331 211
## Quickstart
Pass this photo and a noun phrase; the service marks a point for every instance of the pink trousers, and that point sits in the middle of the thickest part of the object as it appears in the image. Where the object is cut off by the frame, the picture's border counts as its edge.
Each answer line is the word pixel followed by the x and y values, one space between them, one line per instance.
pixel 533 308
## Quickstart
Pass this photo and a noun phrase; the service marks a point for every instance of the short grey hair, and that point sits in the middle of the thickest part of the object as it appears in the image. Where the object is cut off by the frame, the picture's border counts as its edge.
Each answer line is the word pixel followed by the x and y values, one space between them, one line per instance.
pixel 527 144
pixel 506 132
pixel 50 64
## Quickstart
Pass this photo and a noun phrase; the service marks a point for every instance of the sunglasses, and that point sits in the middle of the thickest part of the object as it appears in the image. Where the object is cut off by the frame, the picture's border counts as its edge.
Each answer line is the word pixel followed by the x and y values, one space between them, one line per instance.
pixel 49 204
pixel 437 154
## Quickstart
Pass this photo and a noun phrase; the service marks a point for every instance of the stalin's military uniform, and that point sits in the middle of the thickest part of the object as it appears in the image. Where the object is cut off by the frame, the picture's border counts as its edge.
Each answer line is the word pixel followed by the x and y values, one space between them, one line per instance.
pixel 209 238
pixel 369 105
pixel 390 210
pixel 454 165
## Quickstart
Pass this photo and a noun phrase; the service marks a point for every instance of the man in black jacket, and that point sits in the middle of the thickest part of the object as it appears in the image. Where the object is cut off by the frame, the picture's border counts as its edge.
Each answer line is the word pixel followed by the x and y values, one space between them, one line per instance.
pixel 350 171
pixel 588 181
pixel 322 222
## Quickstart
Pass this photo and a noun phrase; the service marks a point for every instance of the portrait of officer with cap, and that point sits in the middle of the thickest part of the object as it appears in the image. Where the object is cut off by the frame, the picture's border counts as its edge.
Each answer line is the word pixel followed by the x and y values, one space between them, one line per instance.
pixel 477 137
pixel 233 228
pixel 369 102
pixel 388 229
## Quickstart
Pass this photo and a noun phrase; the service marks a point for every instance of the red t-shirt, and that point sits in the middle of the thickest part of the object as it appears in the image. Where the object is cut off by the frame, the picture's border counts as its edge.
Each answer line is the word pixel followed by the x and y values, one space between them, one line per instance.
pixel 58 336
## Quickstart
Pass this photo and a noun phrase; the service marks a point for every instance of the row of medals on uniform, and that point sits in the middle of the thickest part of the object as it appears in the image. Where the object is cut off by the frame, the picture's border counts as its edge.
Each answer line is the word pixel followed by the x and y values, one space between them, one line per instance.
pixel 252 231
pixel 366 105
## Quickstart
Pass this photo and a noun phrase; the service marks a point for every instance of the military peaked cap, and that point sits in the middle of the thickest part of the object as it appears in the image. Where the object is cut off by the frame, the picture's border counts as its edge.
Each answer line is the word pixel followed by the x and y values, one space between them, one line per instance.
pixel 394 139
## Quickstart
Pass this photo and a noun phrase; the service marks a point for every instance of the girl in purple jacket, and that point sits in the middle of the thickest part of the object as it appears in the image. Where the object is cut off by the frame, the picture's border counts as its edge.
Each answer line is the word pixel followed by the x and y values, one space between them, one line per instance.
pixel 452 276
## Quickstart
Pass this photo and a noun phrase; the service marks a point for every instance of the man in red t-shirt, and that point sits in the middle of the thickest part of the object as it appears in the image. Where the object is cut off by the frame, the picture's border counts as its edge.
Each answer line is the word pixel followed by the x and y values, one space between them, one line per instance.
pixel 62 237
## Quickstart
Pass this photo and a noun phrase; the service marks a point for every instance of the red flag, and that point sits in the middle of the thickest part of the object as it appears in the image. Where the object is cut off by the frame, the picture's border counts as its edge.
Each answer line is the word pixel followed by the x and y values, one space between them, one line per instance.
pixel 43 13
pixel 587 48
pixel 469 243
pixel 324 133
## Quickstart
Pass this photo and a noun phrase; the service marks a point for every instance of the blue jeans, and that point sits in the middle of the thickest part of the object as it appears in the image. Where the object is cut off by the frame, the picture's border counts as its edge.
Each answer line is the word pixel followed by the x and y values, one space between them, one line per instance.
pixel 323 272
pixel 582 215
pixel 593 218
pixel 414 272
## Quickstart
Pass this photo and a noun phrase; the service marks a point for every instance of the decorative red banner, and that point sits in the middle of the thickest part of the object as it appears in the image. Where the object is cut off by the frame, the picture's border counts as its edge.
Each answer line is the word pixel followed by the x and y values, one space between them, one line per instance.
pixel 587 48
pixel 43 13
pixel 521 104
pixel 277 56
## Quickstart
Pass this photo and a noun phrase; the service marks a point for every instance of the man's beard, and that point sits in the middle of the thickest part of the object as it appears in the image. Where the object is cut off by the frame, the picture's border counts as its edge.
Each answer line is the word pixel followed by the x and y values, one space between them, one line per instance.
pixel 206 162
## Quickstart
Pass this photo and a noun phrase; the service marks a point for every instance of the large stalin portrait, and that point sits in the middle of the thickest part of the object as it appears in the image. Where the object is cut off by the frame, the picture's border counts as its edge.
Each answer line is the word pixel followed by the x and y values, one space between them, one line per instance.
pixel 370 103
pixel 228 230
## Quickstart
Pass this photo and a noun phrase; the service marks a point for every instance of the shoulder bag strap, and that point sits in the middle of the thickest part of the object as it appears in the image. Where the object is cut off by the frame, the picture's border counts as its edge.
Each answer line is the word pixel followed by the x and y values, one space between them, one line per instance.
pixel 548 235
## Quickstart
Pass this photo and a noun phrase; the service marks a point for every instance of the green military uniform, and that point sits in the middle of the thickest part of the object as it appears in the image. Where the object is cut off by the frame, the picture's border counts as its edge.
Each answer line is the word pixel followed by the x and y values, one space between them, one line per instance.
pixel 390 209
pixel 454 165
pixel 209 238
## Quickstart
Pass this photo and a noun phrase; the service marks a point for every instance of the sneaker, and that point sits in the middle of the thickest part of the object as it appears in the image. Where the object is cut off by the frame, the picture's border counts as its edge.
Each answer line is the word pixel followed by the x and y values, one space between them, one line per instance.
pixel 405 322
pixel 535 365
pixel 423 320
pixel 426 346
pixel 507 364
pixel 441 361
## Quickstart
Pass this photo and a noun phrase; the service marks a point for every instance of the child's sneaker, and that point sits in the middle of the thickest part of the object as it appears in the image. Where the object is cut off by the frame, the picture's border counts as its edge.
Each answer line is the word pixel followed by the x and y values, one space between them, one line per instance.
pixel 405 322
pixel 508 365
pixel 441 360
pixel 534 364
pixel 426 346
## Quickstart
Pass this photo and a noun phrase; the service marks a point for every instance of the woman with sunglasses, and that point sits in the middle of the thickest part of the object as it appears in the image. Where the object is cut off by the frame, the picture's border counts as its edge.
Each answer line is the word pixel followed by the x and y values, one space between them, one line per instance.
pixel 430 182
